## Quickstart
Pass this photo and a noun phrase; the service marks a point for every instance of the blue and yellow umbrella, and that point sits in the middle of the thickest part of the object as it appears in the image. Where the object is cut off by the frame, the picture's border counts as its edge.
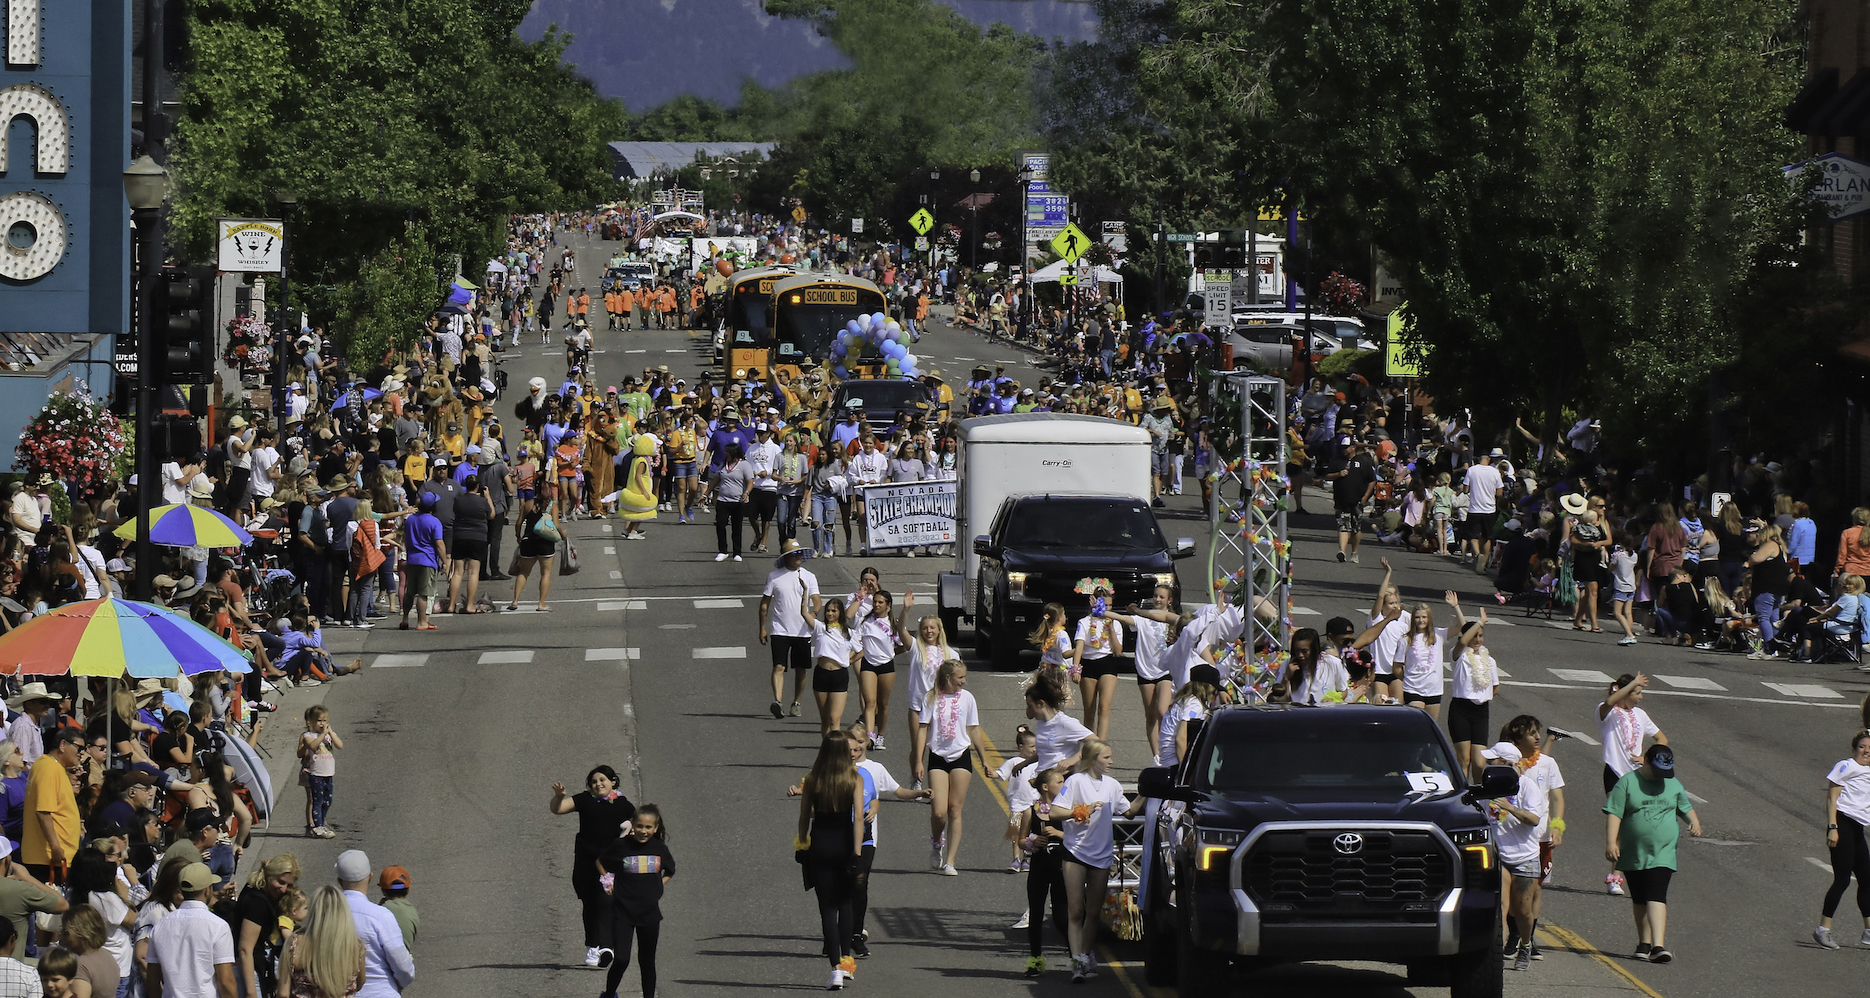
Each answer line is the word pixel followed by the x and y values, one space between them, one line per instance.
pixel 186 525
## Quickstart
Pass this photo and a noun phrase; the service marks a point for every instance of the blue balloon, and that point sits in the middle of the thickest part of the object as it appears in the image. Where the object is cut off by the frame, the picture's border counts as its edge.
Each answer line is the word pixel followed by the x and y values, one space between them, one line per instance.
pixel 838 349
pixel 851 326
pixel 840 371
pixel 879 318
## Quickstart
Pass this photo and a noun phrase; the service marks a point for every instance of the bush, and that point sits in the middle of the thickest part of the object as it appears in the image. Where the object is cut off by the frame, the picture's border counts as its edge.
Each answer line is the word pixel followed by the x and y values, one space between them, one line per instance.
pixel 1344 363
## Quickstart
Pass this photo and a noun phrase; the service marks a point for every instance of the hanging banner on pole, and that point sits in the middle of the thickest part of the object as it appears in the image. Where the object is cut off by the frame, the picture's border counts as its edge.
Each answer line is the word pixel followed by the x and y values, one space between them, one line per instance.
pixel 912 514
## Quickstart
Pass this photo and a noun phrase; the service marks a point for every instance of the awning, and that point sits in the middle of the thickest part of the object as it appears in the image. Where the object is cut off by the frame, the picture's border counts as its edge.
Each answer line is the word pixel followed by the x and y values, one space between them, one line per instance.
pixel 1051 273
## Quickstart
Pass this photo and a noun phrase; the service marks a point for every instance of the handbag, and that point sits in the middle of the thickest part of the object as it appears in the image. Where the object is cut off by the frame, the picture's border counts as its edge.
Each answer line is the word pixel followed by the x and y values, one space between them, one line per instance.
pixel 568 560
pixel 546 529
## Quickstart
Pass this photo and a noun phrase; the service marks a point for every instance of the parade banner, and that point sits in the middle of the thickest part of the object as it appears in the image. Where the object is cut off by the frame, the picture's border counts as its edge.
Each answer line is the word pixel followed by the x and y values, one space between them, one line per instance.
pixel 913 514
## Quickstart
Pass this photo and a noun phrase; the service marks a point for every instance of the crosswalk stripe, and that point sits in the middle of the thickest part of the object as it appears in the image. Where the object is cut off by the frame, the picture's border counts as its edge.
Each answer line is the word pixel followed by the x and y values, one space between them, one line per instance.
pixel 616 574
pixel 612 654
pixel 520 657
pixel 1805 691
pixel 1579 735
pixel 719 604
pixel 1691 683
pixel 622 604
pixel 1305 611
pixel 1579 675
pixel 409 661
pixel 739 652
pixel 675 350
pixel 636 351
pixel 610 549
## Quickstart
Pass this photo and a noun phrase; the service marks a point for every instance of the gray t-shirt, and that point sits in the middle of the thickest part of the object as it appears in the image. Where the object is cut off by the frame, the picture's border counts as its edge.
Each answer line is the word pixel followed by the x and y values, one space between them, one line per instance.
pixel 493 480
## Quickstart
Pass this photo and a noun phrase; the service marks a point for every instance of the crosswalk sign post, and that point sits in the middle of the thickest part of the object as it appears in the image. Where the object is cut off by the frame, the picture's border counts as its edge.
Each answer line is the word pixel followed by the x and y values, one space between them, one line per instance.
pixel 1071 243
pixel 922 221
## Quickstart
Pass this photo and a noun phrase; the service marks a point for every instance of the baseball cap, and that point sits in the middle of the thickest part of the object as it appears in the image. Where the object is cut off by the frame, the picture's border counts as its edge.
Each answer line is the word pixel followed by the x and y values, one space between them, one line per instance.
pixel 1205 673
pixel 196 877
pixel 1661 758
pixel 393 877
pixel 201 818
pixel 352 866
pixel 1505 752
pixel 1340 625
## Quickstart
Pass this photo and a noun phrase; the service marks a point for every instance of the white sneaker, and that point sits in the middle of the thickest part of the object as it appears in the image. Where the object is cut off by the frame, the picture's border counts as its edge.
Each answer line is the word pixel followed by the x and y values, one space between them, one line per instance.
pixel 1615 884
pixel 876 742
pixel 736 557
pixel 1025 919
pixel 720 557
pixel 934 854
pixel 948 870
pixel 590 957
pixel 1822 936
pixel 837 980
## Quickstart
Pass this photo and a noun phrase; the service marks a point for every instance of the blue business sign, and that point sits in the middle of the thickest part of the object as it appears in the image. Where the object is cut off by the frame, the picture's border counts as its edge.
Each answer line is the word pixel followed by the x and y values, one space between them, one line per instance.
pixel 64 223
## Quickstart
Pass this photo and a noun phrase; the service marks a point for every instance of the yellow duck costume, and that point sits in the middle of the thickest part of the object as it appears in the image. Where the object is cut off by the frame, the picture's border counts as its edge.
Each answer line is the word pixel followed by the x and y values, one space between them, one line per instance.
pixel 638 501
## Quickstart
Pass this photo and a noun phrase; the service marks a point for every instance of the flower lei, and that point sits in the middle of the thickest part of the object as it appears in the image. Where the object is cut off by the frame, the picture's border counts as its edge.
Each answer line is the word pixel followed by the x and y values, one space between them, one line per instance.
pixel 948 716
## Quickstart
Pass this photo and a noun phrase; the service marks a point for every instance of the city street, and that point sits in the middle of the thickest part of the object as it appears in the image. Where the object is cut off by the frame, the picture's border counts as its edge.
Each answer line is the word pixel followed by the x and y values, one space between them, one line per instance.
pixel 650 662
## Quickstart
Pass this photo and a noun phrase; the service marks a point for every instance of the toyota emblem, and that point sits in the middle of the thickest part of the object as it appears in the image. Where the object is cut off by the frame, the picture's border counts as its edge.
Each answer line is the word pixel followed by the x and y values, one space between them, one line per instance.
pixel 1348 843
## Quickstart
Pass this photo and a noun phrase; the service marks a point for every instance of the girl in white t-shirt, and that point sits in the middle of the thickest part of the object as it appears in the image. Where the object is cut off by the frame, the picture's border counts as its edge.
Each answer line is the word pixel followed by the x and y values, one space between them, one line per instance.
pixel 1054 644
pixel 1625 729
pixel 1313 675
pixel 1847 814
pixel 1476 680
pixel 928 649
pixel 1058 734
pixel 1017 772
pixel 880 634
pixel 834 650
pixel 1096 658
pixel 1154 638
pixel 1090 799
pixel 1191 703
pixel 950 727
pixel 1423 649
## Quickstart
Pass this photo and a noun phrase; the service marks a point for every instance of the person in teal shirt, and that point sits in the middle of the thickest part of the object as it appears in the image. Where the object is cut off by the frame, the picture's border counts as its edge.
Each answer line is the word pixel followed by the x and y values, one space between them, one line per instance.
pixel 1642 833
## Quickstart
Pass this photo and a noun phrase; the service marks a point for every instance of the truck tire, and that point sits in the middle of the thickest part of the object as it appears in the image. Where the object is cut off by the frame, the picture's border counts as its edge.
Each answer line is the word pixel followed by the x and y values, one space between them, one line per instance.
pixel 1480 974
pixel 983 645
pixel 1006 647
pixel 1201 973
pixel 951 624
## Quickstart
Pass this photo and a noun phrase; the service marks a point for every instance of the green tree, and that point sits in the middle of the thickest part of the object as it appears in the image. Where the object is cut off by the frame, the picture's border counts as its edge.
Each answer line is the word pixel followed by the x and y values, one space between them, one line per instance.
pixel 380 310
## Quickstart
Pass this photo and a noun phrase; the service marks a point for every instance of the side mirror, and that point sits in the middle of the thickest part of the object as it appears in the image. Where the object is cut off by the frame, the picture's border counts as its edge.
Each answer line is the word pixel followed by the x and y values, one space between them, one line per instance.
pixel 1158 782
pixel 983 545
pixel 1495 782
pixel 1184 548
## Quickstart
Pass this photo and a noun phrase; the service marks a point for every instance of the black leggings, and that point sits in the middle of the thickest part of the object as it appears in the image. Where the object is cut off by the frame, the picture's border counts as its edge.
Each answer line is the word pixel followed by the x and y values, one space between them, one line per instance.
pixel 621 929
pixel 1045 875
pixel 1850 855
pixel 591 897
pixel 725 513
pixel 832 882
pixel 860 890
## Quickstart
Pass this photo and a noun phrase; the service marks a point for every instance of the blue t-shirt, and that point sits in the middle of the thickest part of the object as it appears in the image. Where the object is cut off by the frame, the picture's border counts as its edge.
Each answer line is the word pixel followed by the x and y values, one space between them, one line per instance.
pixel 424 535
pixel 721 437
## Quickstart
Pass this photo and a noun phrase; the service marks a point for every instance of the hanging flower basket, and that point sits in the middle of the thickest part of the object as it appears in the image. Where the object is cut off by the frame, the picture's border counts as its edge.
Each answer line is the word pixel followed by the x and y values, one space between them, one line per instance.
pixel 74 438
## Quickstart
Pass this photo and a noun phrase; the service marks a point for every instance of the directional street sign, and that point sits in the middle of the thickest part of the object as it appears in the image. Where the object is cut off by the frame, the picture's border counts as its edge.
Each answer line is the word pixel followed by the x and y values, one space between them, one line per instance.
pixel 1071 243
pixel 1184 237
pixel 798 213
pixel 922 221
pixel 1068 279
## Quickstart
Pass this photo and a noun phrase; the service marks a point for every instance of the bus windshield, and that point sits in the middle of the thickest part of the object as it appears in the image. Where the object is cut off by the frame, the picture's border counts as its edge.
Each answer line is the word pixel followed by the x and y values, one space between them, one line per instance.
pixel 747 312
pixel 807 319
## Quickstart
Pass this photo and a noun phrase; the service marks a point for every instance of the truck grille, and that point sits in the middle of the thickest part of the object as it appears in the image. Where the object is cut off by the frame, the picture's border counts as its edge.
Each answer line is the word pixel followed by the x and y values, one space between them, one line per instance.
pixel 1392 871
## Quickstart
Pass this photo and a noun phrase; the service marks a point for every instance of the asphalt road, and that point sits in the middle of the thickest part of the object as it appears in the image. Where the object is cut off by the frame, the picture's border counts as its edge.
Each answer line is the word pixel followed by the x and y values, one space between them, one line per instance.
pixel 650 662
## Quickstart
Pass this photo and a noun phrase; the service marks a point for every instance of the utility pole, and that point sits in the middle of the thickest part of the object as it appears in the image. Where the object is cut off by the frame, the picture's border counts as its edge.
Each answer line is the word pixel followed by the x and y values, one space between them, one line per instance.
pixel 1162 242
pixel 148 220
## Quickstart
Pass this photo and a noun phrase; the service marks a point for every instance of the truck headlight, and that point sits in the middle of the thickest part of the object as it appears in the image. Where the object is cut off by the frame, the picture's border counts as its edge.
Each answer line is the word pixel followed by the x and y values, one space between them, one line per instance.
pixel 1016 585
pixel 1476 853
pixel 1165 579
pixel 1215 844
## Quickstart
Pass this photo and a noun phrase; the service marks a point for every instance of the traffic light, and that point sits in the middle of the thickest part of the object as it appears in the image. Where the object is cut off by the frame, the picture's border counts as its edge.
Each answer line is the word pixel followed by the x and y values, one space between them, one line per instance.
pixel 1225 249
pixel 177 437
pixel 185 326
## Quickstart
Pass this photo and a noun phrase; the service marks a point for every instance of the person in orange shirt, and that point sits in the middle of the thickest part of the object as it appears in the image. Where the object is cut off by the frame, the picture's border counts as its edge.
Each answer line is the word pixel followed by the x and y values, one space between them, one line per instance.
pixel 611 308
pixel 643 305
pixel 696 298
pixel 668 306
pixel 922 314
pixel 584 304
pixel 571 310
pixel 626 303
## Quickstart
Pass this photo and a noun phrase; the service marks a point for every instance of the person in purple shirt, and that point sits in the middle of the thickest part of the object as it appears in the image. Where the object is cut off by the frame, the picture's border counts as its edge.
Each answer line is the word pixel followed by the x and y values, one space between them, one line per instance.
pixel 427 559
pixel 728 431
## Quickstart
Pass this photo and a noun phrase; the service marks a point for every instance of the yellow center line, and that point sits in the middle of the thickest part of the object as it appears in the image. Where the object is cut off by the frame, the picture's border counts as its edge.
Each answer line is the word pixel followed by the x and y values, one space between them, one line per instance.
pixel 992 759
pixel 1578 944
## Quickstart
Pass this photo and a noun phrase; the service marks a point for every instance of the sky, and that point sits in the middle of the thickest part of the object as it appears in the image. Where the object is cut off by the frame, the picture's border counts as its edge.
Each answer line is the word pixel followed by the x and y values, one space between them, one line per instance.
pixel 647 51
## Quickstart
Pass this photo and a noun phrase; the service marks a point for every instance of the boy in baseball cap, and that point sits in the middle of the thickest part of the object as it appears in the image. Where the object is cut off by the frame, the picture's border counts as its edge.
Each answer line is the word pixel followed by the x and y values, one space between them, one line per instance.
pixel 395 884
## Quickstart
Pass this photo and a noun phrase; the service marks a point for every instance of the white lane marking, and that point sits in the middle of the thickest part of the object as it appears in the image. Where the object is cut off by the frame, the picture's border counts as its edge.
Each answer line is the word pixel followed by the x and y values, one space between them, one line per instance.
pixel 1691 683
pixel 520 657
pixel 964 358
pixel 636 351
pixel 629 710
pixel 607 528
pixel 622 604
pixel 1497 622
pixel 1579 675
pixel 615 574
pixel 612 654
pixel 719 604
pixel 409 661
pixel 1697 798
pixel 1579 735
pixel 676 350
pixel 737 652
pixel 1305 611
pixel 612 549
pixel 1805 690
pixel 1561 625
pixel 1819 863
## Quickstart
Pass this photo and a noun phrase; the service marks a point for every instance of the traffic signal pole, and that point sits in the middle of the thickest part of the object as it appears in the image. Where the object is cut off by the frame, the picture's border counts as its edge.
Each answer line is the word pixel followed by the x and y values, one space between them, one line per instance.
pixel 148 490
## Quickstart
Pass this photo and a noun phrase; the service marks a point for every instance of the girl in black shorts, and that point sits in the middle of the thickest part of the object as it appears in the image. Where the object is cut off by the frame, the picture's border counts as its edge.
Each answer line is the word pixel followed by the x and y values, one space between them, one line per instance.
pixel 1096 655
pixel 881 639
pixel 834 648
pixel 951 725
pixel 1476 679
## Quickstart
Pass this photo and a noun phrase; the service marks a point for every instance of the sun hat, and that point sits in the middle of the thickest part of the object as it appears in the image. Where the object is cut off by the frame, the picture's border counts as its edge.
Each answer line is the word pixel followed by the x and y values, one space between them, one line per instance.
pixel 790 548
pixel 201 488
pixel 1574 503
pixel 30 692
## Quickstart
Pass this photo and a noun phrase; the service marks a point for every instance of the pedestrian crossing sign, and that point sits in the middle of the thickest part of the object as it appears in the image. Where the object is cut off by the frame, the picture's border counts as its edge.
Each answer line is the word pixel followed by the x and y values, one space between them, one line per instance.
pixel 922 221
pixel 1071 243
pixel 798 213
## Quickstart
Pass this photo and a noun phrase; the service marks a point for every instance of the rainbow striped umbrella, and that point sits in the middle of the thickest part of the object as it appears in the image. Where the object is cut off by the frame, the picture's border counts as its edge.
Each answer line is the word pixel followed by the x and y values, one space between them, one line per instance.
pixel 187 525
pixel 111 637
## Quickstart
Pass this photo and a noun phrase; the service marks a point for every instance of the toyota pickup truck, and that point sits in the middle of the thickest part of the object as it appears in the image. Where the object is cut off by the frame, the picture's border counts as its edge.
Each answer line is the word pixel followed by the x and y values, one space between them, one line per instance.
pixel 1346 832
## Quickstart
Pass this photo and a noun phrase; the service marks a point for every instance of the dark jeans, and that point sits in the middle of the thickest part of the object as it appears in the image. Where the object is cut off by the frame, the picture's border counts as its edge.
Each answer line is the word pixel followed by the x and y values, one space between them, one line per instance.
pixel 496 532
pixel 317 579
pixel 860 890
pixel 789 516
pixel 619 932
pixel 724 513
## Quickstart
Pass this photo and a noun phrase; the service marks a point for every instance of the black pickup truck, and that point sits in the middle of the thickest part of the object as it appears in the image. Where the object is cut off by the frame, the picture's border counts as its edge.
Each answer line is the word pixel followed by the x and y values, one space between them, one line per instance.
pixel 1323 833
pixel 1045 548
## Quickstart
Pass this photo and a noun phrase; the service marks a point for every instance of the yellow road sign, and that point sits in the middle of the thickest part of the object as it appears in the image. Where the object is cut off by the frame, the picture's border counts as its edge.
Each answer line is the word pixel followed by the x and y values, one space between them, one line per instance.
pixel 1068 279
pixel 798 213
pixel 922 221
pixel 1071 243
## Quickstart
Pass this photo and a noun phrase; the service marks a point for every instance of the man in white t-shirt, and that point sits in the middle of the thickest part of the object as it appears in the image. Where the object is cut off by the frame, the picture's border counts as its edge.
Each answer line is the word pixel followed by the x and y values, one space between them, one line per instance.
pixel 23 514
pixel 784 624
pixel 175 479
pixel 1484 486
pixel 266 471
pixel 763 466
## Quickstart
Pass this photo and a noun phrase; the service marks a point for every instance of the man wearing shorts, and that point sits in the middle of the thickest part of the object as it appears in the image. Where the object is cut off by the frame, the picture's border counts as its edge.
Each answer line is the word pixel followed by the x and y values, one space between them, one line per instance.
pixel 426 559
pixel 1484 485
pixel 1352 480
pixel 784 624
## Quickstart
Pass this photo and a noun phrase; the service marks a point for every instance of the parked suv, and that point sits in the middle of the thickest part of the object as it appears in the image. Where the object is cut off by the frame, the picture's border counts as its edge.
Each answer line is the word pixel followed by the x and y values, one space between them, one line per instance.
pixel 1044 549
pixel 1323 833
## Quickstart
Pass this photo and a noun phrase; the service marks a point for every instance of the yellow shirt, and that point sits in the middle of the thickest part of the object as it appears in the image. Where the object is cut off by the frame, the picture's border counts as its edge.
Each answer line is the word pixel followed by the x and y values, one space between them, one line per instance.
pixel 454 445
pixel 48 791
pixel 682 442
pixel 416 467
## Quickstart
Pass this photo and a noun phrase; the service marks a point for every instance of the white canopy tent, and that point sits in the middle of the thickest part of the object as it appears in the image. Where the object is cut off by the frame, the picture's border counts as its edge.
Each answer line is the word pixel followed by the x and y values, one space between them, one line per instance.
pixel 1052 272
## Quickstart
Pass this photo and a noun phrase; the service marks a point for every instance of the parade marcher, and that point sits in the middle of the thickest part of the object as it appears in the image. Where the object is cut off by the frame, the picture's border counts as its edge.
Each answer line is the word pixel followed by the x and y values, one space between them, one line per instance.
pixel 634 870
pixel 602 811
pixel 835 650
pixel 1476 680
pixel 1642 832
pixel 1847 814
pixel 1624 728
pixel 1091 798
pixel 1096 658
pixel 1058 734
pixel 730 481
pixel 1045 874
pixel 928 649
pixel 880 633
pixel 788 605
pixel 1516 829
pixel 829 845
pixel 951 729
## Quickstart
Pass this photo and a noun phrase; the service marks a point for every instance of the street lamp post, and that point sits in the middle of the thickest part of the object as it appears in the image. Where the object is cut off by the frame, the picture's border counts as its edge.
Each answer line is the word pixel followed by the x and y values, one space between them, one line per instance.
pixel 145 184
pixel 934 209
pixel 1025 198
pixel 282 340
pixel 973 250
